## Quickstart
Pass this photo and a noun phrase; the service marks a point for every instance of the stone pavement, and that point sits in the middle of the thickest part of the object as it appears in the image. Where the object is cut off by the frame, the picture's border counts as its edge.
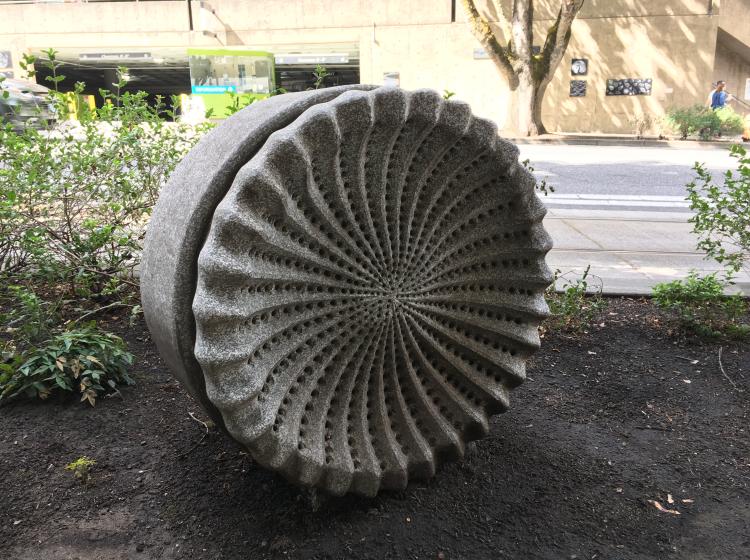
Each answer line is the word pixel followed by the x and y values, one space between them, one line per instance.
pixel 629 250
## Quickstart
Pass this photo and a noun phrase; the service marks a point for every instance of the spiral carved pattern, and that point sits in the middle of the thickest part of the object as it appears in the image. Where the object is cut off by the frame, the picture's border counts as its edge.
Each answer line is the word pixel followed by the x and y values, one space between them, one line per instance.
pixel 370 289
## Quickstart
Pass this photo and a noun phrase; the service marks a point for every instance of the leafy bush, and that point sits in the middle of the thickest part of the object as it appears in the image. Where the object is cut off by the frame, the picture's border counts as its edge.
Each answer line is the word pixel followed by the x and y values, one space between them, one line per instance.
pixel 730 122
pixel 575 307
pixel 722 213
pixel 85 361
pixel 74 203
pixel 704 121
pixel 700 306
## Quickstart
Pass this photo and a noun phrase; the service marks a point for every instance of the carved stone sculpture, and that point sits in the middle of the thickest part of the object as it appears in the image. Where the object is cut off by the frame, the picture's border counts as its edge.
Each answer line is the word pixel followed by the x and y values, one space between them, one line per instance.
pixel 350 281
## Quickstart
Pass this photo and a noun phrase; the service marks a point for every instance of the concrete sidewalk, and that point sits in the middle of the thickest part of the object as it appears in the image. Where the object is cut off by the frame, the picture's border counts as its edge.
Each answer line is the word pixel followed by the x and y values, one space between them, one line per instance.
pixel 629 251
pixel 583 139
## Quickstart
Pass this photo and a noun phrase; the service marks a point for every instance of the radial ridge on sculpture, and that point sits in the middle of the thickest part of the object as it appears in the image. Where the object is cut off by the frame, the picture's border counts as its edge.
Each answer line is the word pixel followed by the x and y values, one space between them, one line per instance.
pixel 369 290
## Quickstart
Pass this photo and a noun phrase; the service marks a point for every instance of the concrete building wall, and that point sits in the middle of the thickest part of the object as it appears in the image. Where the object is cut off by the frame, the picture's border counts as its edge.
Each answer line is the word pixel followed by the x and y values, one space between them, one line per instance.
pixel 673 42
pixel 734 68
pixel 734 18
pixel 676 52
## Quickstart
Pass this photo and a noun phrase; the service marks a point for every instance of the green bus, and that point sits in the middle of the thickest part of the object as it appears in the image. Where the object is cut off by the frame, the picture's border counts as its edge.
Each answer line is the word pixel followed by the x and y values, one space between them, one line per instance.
pixel 221 76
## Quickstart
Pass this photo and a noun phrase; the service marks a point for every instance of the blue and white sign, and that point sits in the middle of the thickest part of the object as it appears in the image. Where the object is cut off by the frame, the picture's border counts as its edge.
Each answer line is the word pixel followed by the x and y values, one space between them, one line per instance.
pixel 213 89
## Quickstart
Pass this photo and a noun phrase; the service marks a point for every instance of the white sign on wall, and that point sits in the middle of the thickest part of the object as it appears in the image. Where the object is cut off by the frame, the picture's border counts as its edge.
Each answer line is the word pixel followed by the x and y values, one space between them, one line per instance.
pixel 331 58
pixel 392 79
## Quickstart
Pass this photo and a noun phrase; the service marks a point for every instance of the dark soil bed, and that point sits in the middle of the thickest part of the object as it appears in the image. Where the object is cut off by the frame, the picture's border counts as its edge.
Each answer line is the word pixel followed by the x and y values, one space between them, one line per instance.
pixel 609 424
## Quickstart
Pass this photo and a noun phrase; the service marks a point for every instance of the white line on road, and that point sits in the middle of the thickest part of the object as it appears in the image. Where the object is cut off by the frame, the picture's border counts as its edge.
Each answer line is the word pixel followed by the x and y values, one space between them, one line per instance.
pixel 583 196
pixel 616 200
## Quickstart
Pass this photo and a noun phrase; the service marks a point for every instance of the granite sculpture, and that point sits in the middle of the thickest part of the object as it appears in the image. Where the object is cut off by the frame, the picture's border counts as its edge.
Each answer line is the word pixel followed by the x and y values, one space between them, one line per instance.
pixel 350 281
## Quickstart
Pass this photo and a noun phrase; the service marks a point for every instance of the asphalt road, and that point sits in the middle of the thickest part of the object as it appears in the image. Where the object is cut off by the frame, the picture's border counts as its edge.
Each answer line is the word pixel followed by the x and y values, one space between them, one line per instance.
pixel 622 211
pixel 616 170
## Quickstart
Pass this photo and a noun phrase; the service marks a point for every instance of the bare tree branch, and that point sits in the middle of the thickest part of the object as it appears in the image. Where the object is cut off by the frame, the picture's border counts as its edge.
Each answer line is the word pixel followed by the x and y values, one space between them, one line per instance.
pixel 558 37
pixel 522 31
pixel 484 34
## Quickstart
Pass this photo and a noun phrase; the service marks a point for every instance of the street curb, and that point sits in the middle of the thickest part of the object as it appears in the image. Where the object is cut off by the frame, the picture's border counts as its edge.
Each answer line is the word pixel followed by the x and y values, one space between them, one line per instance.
pixel 624 142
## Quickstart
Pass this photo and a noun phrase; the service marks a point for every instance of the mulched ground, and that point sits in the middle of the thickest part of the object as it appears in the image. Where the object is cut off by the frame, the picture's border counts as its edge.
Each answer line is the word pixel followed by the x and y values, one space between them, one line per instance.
pixel 609 424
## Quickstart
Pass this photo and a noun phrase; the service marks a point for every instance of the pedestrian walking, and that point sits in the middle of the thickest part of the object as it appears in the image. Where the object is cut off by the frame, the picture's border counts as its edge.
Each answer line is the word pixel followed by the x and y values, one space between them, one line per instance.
pixel 718 98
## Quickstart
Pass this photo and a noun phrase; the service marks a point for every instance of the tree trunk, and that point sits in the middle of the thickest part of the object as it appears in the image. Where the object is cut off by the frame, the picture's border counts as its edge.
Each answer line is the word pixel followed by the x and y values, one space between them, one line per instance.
pixel 529 96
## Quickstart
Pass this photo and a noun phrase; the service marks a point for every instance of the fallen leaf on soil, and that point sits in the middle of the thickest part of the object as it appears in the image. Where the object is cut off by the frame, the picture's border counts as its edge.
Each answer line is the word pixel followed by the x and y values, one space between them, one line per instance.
pixel 670 499
pixel 618 490
pixel 687 381
pixel 687 501
pixel 661 508
pixel 592 353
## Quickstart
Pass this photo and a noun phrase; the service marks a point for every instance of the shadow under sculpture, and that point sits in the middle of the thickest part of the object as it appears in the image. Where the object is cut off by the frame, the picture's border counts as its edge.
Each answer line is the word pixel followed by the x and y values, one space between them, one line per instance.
pixel 349 281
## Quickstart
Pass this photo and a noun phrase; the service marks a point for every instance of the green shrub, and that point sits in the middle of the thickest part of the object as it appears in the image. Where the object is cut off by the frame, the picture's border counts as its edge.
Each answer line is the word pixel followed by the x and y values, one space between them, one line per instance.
pixel 730 122
pixel 74 204
pixel 704 121
pixel 86 360
pixel 700 306
pixel 75 200
pixel 575 306
pixel 722 213
pixel 690 120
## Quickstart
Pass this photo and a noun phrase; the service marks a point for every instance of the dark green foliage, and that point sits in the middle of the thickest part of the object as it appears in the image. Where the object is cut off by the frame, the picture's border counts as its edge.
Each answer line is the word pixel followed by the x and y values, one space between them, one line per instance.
pixel 85 360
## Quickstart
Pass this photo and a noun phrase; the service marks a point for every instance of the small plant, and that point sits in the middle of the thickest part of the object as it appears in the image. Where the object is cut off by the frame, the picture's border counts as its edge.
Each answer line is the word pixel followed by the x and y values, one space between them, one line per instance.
pixel 722 213
pixel 700 306
pixel 576 305
pixel 542 185
pixel 238 102
pixel 81 468
pixel 447 94
pixel 641 122
pixel 320 74
pixel 85 360
pixel 29 319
